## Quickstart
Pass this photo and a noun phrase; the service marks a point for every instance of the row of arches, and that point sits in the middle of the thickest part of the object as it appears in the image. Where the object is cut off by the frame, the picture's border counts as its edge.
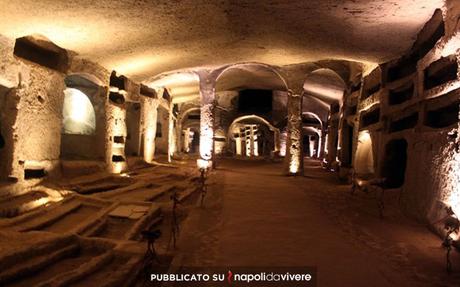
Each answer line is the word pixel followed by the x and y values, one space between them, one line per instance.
pixel 322 87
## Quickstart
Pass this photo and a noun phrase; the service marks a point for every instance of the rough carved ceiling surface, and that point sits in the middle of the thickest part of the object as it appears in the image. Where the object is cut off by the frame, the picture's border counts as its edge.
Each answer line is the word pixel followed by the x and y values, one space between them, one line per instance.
pixel 142 38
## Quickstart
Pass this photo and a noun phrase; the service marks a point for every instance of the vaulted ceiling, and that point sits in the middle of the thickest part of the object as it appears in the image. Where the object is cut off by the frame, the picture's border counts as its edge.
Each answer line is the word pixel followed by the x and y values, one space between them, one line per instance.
pixel 143 38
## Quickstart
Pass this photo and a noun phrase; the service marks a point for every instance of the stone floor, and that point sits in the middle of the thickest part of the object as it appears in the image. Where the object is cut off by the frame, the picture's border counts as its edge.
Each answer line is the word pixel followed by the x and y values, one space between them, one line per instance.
pixel 86 230
pixel 254 216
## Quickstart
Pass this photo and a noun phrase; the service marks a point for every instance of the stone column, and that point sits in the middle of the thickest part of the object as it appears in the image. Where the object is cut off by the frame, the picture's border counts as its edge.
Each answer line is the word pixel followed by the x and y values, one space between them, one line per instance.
pixel 294 150
pixel 251 140
pixel 323 143
pixel 179 136
pixel 332 141
pixel 171 138
pixel 276 141
pixel 207 96
pixel 149 112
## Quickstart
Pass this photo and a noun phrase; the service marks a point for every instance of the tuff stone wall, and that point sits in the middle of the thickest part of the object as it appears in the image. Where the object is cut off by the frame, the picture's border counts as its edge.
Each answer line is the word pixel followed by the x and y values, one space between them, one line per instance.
pixel 425 115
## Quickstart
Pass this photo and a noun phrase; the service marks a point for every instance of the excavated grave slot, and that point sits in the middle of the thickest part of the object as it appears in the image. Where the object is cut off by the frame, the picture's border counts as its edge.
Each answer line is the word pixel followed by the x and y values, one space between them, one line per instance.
pixel 406 66
pixel 30 173
pixel 442 71
pixel 370 91
pixel 433 30
pixel 102 185
pixel 399 96
pixel 404 123
pixel 119 139
pixel 70 261
pixel 370 118
pixel 146 91
pixel 115 227
pixel 117 81
pixel 41 52
pixel 18 205
pixel 72 219
pixel 443 117
pixel 116 98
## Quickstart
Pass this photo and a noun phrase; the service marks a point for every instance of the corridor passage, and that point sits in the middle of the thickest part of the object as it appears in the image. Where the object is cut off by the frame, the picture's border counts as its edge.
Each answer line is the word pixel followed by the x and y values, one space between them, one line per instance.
pixel 255 217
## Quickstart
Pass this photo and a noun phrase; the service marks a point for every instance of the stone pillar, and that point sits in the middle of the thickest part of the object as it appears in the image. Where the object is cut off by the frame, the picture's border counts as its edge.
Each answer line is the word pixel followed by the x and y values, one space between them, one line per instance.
pixel 207 96
pixel 149 113
pixel 179 136
pixel 294 150
pixel 171 138
pixel 251 140
pixel 323 143
pixel 332 140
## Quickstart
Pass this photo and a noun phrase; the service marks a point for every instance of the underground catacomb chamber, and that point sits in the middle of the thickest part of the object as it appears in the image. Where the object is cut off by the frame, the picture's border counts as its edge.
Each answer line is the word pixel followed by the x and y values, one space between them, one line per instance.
pixel 113 114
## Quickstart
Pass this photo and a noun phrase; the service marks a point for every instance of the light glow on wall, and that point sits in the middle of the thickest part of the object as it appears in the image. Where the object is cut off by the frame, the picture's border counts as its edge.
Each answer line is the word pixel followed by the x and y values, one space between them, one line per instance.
pixel 452 185
pixel 78 113
pixel 294 164
pixel 364 159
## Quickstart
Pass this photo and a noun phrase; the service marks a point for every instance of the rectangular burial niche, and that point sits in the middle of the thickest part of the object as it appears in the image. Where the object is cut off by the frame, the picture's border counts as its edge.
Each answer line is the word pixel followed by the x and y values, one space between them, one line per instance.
pixel 443 117
pixel 400 95
pixel 371 84
pixel 117 81
pixel 404 67
pixel 430 34
pixel 404 123
pixel 255 101
pixel 148 92
pixel 116 98
pixel 117 158
pixel 119 139
pixel 440 72
pixel 31 173
pixel 394 163
pixel 42 52
pixel 370 117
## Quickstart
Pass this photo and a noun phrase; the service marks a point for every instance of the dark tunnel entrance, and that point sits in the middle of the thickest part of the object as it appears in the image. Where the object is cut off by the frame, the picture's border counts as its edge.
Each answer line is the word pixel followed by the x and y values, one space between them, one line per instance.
pixel 394 163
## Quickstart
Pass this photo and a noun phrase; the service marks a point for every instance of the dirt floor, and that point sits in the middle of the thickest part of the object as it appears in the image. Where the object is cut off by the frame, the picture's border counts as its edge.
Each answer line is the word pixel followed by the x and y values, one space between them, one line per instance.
pixel 255 216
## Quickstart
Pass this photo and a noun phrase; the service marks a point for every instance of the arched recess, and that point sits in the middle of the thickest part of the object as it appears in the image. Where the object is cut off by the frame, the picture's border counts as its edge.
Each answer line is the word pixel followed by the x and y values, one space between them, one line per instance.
pixel 394 163
pixel 364 158
pixel 191 137
pixel 183 140
pixel 249 75
pixel 312 125
pixel 251 119
pixel 83 119
pixel 324 88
